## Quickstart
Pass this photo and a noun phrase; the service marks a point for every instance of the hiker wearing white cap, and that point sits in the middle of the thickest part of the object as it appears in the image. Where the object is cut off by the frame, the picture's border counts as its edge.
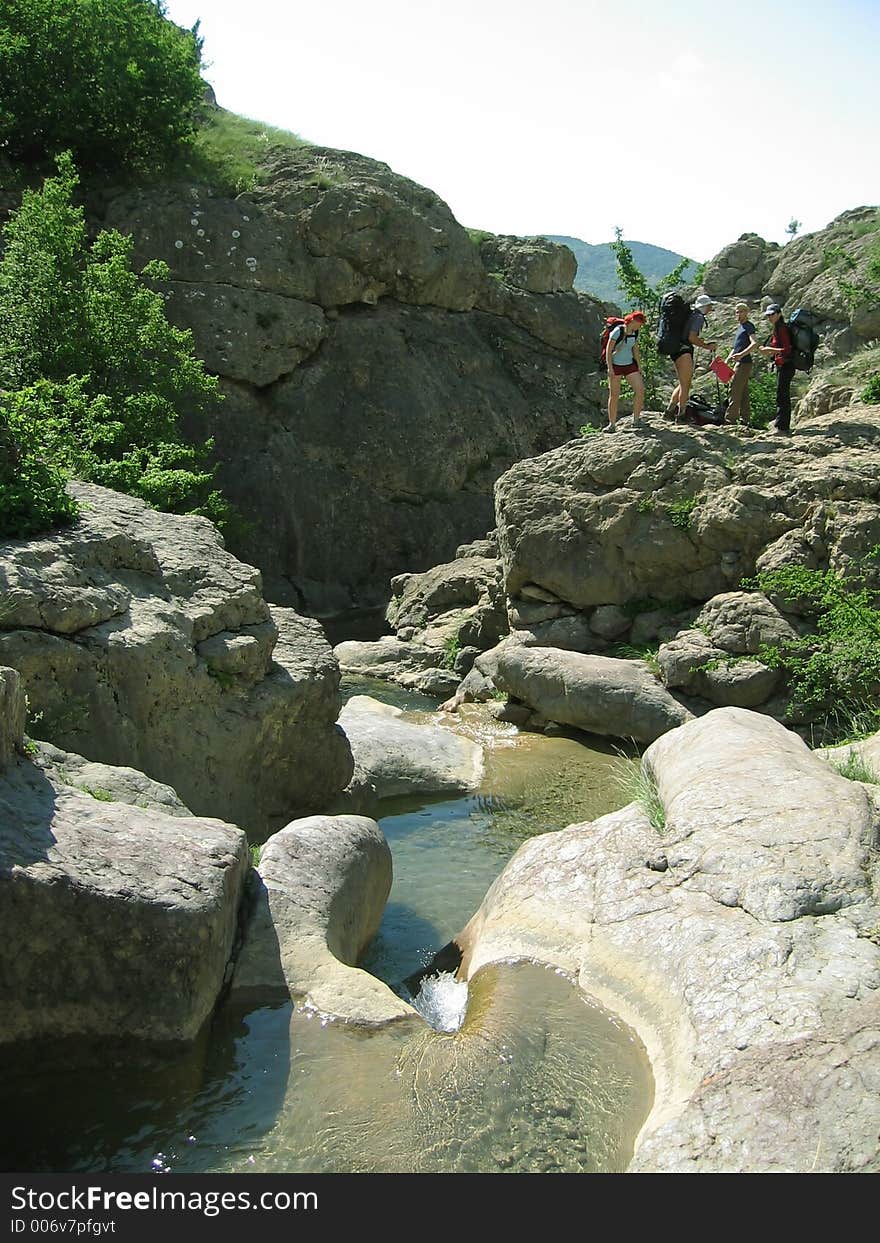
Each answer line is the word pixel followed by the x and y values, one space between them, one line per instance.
pixel 684 358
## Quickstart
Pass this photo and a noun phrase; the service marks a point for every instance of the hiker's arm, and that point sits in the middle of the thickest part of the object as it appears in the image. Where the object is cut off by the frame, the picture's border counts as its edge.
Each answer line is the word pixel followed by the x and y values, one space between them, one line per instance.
pixel 637 353
pixel 704 345
pixel 744 353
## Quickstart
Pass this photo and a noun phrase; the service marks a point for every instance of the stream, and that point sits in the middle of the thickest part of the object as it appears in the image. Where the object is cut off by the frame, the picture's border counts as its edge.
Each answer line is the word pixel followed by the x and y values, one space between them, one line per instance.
pixel 536 1078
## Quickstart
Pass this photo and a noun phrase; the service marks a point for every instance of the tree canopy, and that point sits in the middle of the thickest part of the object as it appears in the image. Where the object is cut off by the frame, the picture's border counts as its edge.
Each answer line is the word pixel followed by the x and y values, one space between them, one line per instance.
pixel 113 81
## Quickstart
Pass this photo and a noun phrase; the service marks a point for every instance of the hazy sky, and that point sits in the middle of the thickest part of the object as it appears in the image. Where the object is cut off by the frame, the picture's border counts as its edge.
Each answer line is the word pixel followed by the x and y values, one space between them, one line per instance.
pixel 685 123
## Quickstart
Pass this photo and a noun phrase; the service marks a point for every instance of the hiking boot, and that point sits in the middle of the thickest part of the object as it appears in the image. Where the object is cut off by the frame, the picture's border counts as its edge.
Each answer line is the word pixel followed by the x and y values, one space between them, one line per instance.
pixel 610 427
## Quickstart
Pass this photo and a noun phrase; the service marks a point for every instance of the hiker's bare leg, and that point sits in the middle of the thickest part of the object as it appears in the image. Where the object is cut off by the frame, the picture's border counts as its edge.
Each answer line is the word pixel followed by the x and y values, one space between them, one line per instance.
pixel 613 395
pixel 684 366
pixel 637 384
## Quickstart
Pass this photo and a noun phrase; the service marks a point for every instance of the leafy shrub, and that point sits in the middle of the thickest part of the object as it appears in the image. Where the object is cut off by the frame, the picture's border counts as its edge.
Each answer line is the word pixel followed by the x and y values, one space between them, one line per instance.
pixel 871 391
pixel 32 494
pixel 93 359
pixel 762 399
pixel 113 81
pixel 833 675
pixel 680 511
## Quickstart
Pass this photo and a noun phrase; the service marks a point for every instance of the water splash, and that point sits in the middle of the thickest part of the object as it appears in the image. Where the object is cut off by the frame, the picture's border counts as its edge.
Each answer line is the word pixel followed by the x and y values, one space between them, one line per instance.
pixel 442 1001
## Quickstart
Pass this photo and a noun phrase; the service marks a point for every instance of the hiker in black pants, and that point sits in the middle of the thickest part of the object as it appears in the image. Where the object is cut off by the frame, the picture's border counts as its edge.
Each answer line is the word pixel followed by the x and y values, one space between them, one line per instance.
pixel 780 350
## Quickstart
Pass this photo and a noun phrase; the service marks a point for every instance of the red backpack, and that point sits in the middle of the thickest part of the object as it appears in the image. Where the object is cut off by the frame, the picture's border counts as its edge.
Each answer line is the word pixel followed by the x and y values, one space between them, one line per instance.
pixel 613 321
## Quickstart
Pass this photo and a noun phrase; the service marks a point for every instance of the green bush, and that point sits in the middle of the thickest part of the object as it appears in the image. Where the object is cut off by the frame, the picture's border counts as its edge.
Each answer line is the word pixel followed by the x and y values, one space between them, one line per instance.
pixel 762 399
pixel 871 391
pixel 113 81
pixel 32 495
pixel 93 360
pixel 833 675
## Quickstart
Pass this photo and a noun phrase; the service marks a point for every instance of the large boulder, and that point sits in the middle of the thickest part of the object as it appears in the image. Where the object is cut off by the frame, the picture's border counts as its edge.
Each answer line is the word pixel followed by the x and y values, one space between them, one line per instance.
pixel 377 378
pixel 685 515
pixel 142 642
pixel 395 756
pixel 117 920
pixel 534 264
pixel 739 941
pixel 741 269
pixel 598 694
pixel 321 887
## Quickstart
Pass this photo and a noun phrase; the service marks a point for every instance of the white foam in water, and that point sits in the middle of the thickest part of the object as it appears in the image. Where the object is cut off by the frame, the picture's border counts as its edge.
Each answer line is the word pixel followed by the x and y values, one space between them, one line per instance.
pixel 442 1001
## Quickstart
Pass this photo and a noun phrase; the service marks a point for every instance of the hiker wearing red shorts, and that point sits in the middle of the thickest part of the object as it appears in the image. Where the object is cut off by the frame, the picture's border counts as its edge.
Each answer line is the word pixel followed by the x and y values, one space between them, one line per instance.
pixel 623 359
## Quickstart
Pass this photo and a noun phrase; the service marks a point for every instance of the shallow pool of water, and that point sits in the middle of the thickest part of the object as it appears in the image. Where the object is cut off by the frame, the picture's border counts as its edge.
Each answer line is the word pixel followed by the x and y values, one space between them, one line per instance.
pixel 536 1079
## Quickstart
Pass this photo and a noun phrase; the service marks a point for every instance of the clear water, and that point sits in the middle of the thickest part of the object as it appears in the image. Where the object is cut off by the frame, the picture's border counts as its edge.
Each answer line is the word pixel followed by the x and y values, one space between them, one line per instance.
pixel 535 1079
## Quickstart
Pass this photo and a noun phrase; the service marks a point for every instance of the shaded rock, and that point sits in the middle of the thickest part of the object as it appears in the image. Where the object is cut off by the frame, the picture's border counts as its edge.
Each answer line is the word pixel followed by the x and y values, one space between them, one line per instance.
pixel 609 622
pixel 746 964
pixel 401 757
pixel 570 634
pixel 186 675
pixel 594 693
pixel 13 711
pixel 377 379
pixel 116 921
pixel 322 884
pixel 248 335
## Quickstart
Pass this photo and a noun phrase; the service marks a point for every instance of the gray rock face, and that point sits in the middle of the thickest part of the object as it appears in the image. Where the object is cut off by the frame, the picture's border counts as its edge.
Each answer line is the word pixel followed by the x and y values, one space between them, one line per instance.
pixel 534 264
pixel 804 275
pixel 465 593
pixel 116 920
pixel 685 515
pixel 594 693
pixel 413 665
pixel 322 884
pixel 141 642
pixel 12 715
pixel 377 378
pixel 395 756
pixel 744 957
pixel 741 269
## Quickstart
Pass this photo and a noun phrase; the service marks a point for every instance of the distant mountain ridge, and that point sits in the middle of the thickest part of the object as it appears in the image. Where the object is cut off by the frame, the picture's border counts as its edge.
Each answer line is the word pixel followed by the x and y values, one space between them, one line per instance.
pixel 597 270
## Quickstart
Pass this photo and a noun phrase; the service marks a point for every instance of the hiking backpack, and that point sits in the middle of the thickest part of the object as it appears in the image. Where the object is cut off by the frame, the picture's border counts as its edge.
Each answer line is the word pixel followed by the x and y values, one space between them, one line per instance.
pixel 612 322
pixel 804 338
pixel 674 315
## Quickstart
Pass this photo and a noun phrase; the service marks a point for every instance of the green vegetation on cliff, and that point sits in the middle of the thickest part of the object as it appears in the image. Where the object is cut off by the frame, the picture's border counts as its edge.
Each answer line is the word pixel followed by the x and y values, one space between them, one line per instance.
pixel 833 675
pixel 597 268
pixel 112 81
pixel 94 376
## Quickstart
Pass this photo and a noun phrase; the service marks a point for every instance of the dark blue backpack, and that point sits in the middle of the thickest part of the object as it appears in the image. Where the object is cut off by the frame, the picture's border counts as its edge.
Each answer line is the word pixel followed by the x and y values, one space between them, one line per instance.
pixel 804 338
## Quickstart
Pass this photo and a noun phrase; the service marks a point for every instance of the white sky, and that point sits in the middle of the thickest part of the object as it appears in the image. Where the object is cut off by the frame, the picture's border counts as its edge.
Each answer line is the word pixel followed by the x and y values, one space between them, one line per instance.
pixel 684 122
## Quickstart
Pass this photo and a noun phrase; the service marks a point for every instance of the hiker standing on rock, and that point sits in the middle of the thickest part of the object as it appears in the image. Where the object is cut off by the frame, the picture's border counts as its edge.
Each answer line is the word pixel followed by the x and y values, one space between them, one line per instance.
pixel 622 358
pixel 684 356
pixel 740 356
pixel 780 351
